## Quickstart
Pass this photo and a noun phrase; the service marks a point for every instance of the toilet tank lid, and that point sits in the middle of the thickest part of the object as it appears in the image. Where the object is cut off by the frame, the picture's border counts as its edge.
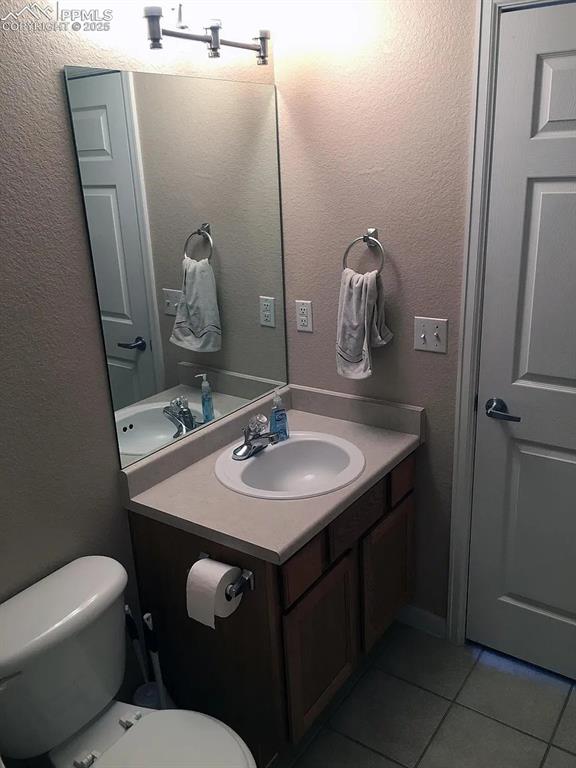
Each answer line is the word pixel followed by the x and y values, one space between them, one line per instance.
pixel 55 608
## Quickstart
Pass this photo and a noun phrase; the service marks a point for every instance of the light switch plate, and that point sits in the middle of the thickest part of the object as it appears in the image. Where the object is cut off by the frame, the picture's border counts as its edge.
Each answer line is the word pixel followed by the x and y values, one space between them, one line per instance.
pixel 431 334
pixel 171 300
pixel 268 311
pixel 304 316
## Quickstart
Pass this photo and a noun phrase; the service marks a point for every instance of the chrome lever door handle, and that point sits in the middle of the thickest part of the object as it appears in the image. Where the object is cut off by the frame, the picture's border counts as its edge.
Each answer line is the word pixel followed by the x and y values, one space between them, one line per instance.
pixel 496 408
pixel 138 343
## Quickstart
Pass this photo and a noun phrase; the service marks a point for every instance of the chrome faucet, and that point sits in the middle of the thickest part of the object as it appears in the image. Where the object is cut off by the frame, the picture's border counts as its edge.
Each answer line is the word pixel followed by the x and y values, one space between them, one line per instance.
pixel 256 438
pixel 180 415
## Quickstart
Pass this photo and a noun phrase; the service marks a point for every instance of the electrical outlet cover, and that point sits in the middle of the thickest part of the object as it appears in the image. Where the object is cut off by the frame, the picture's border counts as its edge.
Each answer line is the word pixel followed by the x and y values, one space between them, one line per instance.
pixel 268 311
pixel 304 316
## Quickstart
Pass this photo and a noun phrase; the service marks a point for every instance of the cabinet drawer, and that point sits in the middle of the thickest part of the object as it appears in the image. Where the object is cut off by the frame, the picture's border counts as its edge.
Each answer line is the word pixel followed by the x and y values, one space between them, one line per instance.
pixel 345 531
pixel 303 569
pixel 321 643
pixel 402 479
pixel 386 566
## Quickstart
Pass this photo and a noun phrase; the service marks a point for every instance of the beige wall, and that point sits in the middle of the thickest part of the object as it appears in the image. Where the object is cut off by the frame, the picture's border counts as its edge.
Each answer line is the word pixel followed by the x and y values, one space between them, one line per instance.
pixel 375 117
pixel 210 154
pixel 59 489
pixel 375 131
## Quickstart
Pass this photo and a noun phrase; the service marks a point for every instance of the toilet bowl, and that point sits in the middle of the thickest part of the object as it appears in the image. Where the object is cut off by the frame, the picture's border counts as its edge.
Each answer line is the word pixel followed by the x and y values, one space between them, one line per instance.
pixel 61 665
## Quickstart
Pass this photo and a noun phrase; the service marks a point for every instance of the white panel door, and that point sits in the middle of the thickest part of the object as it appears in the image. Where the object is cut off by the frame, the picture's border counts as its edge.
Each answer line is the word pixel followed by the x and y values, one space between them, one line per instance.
pixel 522 593
pixel 99 117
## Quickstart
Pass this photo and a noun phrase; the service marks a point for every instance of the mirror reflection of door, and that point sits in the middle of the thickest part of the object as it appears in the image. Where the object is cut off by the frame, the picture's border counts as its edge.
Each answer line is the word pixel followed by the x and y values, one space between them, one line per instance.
pixel 99 107
pixel 165 160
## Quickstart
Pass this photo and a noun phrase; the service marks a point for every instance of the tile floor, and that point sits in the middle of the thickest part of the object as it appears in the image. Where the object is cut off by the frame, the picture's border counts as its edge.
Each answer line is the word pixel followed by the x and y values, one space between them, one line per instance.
pixel 423 703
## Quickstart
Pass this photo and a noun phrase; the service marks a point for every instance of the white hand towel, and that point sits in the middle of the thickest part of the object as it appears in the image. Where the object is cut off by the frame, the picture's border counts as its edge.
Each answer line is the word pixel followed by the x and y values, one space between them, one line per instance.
pixel 361 324
pixel 197 324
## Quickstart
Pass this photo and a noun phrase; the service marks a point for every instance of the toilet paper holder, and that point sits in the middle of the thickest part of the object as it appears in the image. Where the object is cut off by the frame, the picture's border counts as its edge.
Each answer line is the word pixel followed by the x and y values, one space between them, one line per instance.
pixel 242 584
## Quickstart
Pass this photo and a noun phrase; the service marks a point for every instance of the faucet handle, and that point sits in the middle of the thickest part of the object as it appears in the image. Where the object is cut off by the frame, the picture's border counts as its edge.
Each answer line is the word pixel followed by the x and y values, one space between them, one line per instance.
pixel 258 424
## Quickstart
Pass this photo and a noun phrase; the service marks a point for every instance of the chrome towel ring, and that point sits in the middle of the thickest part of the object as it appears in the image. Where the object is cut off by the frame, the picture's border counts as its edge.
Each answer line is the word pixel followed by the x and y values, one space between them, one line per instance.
pixel 371 240
pixel 204 231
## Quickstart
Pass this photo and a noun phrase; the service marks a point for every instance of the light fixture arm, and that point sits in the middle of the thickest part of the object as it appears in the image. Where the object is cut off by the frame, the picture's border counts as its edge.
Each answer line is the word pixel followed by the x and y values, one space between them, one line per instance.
pixel 153 14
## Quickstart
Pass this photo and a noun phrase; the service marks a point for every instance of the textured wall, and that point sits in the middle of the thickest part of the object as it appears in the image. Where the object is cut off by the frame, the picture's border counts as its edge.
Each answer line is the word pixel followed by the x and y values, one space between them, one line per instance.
pixel 217 162
pixel 375 131
pixel 375 115
pixel 59 490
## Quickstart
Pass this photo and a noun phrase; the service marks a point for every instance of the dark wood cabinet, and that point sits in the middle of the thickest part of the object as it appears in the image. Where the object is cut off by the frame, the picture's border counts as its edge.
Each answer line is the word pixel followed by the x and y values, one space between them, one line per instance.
pixel 321 643
pixel 351 524
pixel 270 669
pixel 234 672
pixel 402 479
pixel 386 570
pixel 303 569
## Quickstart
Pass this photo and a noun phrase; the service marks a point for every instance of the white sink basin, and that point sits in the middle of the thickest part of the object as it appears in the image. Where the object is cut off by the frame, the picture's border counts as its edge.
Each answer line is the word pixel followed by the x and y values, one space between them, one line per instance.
pixel 307 464
pixel 143 428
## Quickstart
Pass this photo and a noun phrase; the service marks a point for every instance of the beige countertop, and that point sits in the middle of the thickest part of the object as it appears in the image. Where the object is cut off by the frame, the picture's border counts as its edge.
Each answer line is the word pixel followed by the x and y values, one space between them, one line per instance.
pixel 195 501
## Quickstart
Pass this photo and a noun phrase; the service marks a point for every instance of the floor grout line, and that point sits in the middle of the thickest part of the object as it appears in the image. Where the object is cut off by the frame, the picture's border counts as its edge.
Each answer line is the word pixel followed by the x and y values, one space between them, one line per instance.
pixel 550 743
pixel 472 709
pixel 501 722
pixel 431 739
pixel 337 705
pixel 323 722
pixel 452 703
pixel 423 687
pixel 563 750
pixel 370 749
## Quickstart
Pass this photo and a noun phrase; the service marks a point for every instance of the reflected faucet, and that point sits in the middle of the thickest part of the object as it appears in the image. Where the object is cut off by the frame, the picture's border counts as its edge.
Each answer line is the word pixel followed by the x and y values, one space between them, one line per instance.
pixel 180 415
pixel 256 438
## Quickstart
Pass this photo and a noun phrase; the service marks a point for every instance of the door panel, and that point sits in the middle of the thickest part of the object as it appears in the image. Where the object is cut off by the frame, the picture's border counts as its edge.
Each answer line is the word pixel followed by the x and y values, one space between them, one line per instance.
pixel 99 114
pixel 548 285
pixel 109 261
pixel 555 107
pixel 522 593
pixel 92 132
pixel 529 538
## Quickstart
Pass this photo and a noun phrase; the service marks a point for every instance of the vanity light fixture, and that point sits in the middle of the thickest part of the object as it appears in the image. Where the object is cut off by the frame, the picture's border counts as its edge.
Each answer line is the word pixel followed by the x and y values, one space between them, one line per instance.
pixel 153 14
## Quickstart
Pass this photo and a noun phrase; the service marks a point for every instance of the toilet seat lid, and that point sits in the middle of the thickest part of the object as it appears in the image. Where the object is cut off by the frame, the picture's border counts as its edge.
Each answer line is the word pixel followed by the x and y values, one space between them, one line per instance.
pixel 177 738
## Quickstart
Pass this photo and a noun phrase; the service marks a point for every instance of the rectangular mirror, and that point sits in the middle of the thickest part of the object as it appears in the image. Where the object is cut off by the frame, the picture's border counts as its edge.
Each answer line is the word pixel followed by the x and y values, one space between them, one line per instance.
pixel 169 164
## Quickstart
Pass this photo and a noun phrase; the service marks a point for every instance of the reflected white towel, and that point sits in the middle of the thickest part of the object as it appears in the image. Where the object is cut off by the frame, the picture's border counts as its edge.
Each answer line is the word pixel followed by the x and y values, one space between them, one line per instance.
pixel 361 324
pixel 197 325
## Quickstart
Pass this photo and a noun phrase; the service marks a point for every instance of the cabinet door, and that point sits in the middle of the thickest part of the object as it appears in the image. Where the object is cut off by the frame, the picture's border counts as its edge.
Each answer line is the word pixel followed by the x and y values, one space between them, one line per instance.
pixel 386 570
pixel 321 643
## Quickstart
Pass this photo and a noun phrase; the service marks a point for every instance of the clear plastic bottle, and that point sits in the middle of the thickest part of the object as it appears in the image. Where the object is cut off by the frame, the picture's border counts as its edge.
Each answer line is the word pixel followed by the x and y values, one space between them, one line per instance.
pixel 279 418
pixel 207 403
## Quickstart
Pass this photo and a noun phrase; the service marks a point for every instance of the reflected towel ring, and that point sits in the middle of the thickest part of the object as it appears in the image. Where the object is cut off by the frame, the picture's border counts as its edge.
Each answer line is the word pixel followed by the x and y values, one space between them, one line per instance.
pixel 372 242
pixel 204 230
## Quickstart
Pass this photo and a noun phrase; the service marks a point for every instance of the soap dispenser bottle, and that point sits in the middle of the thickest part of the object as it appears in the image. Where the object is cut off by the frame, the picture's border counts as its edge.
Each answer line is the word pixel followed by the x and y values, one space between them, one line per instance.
pixel 207 403
pixel 278 417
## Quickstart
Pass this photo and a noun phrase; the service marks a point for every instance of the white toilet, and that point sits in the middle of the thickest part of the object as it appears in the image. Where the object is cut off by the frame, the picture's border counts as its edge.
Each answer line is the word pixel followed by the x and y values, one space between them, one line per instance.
pixel 61 664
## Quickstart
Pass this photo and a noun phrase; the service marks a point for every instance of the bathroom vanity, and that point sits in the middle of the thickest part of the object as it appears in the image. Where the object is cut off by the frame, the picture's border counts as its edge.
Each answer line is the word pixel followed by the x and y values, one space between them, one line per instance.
pixel 330 574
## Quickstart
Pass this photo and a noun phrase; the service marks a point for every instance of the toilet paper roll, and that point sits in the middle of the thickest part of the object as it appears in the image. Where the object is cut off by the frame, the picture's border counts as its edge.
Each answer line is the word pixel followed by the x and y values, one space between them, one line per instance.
pixel 206 591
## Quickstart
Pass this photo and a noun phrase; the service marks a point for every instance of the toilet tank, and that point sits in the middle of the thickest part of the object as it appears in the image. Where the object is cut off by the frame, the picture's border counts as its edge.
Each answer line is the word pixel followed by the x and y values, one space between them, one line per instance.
pixel 61 654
